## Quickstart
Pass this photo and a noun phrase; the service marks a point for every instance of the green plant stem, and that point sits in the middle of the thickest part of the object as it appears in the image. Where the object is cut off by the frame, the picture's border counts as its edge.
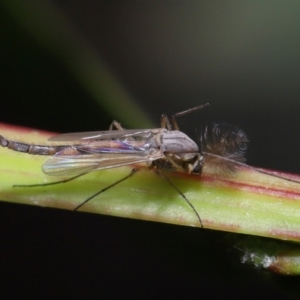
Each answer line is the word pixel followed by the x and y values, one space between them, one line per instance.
pixel 246 202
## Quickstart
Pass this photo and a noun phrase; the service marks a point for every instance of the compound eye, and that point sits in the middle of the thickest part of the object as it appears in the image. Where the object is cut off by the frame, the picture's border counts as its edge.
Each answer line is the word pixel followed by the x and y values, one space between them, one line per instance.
pixel 197 168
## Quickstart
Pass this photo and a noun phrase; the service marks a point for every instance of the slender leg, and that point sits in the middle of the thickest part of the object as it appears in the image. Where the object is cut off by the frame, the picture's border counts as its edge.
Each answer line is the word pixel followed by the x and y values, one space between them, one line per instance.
pixel 182 195
pixel 185 112
pixel 174 123
pixel 115 125
pixel 49 183
pixel 169 158
pixel 165 123
pixel 133 171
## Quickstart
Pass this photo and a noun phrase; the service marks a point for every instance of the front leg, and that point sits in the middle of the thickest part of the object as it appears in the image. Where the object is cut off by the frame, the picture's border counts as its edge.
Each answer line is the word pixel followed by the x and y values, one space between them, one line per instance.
pixel 165 123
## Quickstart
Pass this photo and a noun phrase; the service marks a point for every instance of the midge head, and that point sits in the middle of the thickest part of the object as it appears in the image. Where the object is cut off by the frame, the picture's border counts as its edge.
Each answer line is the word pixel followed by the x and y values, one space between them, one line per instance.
pixel 221 147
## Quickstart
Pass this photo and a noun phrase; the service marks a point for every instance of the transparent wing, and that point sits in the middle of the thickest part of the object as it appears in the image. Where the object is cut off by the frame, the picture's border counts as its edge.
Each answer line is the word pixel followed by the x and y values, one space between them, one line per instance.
pixel 62 164
pixel 105 135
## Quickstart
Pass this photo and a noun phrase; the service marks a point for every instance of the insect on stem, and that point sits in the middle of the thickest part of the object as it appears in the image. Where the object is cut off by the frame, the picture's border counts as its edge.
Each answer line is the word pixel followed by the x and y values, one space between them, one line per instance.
pixel 221 150
pixel 161 148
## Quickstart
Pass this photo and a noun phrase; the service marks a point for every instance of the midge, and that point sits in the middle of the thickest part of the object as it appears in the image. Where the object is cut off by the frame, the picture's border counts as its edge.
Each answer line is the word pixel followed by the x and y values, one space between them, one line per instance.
pixel 164 149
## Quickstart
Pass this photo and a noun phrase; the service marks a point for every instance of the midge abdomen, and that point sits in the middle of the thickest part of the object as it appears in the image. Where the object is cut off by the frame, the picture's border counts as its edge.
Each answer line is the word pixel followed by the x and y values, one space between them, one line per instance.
pixel 30 149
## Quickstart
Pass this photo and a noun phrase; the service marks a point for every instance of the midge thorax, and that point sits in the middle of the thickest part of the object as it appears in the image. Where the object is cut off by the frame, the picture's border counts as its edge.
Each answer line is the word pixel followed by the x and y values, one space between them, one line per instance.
pixel 180 152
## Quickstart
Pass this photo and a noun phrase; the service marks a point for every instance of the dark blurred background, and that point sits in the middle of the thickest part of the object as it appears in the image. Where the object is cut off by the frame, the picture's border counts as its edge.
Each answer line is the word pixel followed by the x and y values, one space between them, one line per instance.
pixel 240 56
